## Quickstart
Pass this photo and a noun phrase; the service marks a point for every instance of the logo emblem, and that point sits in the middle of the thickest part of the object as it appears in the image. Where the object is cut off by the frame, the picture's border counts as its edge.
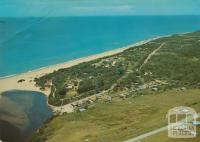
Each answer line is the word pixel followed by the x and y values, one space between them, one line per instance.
pixel 181 122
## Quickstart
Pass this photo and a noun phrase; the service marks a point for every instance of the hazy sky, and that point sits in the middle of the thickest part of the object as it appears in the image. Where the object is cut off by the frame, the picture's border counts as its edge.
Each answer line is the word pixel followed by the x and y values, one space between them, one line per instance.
pixel 16 8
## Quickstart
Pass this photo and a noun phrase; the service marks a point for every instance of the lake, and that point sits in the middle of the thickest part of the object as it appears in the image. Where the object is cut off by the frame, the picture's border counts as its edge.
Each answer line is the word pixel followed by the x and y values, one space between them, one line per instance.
pixel 22 113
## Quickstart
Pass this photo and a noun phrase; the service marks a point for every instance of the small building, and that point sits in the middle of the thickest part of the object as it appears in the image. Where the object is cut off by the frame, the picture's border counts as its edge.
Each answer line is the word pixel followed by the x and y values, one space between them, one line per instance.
pixel 113 63
pixel 197 123
pixel 154 89
pixel 122 96
pixel 93 98
pixel 70 86
pixel 82 109
pixel 146 73
pixel 183 88
pixel 109 99
pixel 107 66
pixel 142 87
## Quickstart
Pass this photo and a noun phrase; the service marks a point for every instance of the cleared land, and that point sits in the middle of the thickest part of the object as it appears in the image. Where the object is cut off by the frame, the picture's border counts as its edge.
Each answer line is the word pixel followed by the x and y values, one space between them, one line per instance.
pixel 119 120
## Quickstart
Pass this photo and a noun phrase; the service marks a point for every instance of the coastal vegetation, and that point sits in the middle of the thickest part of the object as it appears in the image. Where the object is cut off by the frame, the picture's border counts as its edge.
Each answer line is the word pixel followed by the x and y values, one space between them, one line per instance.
pixel 110 73
pixel 135 89
pixel 174 65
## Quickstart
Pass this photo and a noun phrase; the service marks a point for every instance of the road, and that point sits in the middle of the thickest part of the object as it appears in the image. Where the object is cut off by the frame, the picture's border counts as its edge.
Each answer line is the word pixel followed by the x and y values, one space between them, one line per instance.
pixel 151 54
pixel 136 139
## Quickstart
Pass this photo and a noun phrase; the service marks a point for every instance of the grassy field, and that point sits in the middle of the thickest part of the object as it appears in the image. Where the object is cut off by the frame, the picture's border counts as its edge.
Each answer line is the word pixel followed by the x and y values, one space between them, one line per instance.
pixel 118 120
pixel 162 137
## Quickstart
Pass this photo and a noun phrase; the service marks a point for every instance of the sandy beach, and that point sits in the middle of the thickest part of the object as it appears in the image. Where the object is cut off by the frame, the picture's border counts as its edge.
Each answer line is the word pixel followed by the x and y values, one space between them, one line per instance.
pixel 11 83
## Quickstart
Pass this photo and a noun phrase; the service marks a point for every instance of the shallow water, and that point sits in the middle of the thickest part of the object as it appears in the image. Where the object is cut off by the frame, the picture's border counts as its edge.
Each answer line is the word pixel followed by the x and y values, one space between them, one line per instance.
pixel 31 43
pixel 21 113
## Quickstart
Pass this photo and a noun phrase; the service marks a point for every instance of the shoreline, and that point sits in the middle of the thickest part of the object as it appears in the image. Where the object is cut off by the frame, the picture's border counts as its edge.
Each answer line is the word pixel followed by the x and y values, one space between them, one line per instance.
pixel 106 53
pixel 85 59
pixel 30 75
pixel 9 83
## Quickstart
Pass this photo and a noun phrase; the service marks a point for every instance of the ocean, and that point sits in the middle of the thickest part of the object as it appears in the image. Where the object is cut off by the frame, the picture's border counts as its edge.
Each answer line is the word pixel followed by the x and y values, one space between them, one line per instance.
pixel 31 43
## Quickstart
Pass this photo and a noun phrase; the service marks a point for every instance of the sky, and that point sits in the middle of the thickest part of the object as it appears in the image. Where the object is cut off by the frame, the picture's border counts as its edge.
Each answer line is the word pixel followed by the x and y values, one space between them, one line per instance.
pixel 40 8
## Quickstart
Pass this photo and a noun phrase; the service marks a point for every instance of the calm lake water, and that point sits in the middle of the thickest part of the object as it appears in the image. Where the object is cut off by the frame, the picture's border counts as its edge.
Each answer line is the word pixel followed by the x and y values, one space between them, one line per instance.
pixel 21 113
pixel 31 43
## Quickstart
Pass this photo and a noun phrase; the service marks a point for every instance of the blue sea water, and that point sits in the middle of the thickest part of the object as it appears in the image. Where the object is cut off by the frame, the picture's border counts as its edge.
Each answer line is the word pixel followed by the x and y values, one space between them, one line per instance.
pixel 31 43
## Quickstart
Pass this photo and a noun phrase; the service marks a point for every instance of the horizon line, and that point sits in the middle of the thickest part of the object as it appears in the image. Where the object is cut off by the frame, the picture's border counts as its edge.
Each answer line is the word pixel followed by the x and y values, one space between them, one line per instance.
pixel 98 16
